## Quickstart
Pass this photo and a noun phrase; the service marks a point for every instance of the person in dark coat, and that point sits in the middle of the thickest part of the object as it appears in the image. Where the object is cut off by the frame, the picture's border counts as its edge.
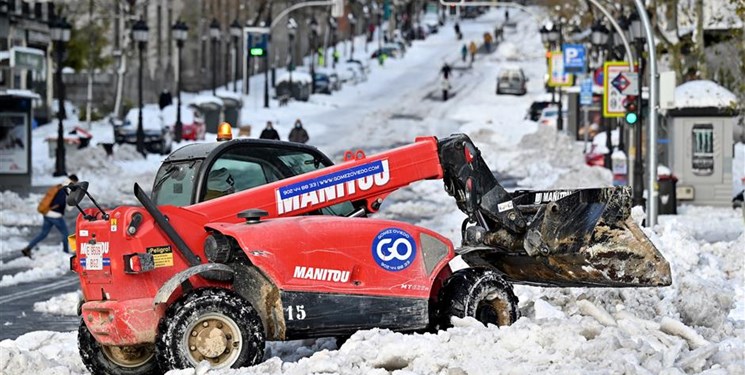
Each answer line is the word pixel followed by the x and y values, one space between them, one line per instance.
pixel 55 217
pixel 445 70
pixel 269 132
pixel 165 99
pixel 298 133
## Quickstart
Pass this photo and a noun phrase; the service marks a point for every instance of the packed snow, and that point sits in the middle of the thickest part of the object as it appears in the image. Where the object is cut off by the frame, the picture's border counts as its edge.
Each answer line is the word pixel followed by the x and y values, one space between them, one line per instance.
pixel 703 94
pixel 697 325
pixel 63 304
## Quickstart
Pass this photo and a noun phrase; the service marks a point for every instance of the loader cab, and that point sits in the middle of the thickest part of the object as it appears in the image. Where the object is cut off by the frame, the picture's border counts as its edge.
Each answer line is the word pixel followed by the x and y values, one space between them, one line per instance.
pixel 199 172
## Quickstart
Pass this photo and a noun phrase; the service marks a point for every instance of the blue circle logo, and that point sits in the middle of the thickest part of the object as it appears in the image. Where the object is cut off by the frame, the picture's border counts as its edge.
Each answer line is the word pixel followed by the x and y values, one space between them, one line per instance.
pixel 394 249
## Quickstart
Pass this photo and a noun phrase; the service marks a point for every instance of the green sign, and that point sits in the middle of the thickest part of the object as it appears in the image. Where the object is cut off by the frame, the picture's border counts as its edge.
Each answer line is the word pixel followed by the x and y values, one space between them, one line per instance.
pixel 28 58
pixel 256 51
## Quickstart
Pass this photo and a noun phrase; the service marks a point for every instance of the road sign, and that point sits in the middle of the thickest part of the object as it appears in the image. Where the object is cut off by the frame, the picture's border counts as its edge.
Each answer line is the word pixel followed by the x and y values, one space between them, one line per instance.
pixel 631 80
pixel 585 93
pixel 574 58
pixel 613 86
pixel 558 76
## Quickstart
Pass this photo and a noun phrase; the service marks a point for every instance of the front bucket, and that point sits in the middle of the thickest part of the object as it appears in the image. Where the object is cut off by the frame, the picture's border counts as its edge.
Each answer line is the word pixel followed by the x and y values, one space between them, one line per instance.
pixel 583 238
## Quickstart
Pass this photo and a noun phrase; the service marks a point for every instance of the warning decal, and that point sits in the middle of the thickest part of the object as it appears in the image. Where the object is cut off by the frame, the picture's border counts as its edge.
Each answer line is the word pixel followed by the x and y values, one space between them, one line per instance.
pixel 162 255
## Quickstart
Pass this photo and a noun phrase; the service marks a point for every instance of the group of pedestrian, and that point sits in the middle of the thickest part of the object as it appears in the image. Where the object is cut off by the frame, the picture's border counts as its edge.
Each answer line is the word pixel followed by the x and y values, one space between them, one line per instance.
pixel 297 134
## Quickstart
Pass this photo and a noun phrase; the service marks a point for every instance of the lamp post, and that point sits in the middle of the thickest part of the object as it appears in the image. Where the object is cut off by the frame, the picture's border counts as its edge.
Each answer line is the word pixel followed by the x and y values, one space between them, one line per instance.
pixel 215 35
pixel 180 32
pixel 600 40
pixel 291 31
pixel 352 32
pixel 235 31
pixel 333 26
pixel 366 12
pixel 60 34
pixel 636 32
pixel 313 35
pixel 555 36
pixel 618 52
pixel 380 30
pixel 139 33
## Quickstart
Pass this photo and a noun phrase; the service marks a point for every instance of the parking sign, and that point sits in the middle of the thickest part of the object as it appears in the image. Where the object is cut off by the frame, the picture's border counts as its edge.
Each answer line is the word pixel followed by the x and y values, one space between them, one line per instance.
pixel 574 58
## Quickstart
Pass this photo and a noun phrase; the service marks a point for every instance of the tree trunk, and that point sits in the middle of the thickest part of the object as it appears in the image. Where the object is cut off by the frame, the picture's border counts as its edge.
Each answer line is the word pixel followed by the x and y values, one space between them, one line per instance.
pixel 701 53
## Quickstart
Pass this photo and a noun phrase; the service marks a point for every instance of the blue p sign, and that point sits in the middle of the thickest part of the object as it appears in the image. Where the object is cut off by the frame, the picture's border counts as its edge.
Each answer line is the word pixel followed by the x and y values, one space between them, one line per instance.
pixel 574 58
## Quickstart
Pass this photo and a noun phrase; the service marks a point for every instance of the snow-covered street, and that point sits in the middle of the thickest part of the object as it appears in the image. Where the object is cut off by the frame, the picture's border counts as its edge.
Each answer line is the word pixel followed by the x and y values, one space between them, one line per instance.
pixel 696 325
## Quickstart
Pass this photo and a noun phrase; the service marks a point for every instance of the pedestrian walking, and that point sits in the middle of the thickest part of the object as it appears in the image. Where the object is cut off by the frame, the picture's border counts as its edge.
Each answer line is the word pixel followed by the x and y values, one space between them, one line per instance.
pixel 52 207
pixel 269 132
pixel 472 49
pixel 446 70
pixel 487 42
pixel 457 31
pixel 464 52
pixel 298 133
pixel 445 84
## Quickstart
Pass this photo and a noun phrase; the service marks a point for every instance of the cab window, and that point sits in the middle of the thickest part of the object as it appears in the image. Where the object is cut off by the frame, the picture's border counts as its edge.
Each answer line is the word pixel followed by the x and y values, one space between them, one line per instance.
pixel 174 183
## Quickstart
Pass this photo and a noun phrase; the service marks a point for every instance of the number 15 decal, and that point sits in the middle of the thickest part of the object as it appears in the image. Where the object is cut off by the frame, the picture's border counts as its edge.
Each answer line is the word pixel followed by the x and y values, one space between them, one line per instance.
pixel 295 312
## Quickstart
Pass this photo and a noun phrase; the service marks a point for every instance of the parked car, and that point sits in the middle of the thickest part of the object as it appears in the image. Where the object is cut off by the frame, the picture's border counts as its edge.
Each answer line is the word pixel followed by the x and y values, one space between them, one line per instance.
pixel 158 136
pixel 550 115
pixel 511 80
pixel 322 82
pixel 432 22
pixel 295 85
pixel 389 50
pixel 535 109
pixel 192 121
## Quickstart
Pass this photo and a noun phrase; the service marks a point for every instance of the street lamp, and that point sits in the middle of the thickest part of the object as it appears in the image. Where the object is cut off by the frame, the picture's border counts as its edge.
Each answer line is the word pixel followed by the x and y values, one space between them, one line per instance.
pixel 139 33
pixel 577 34
pixel 215 35
pixel 180 31
pixel 599 34
pixel 352 32
pixel 313 35
pixel 543 31
pixel 59 31
pixel 235 31
pixel 635 31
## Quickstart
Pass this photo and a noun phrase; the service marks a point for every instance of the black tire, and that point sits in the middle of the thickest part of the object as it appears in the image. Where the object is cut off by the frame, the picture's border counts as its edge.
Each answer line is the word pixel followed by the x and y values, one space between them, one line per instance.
pixel 219 309
pixel 480 294
pixel 100 359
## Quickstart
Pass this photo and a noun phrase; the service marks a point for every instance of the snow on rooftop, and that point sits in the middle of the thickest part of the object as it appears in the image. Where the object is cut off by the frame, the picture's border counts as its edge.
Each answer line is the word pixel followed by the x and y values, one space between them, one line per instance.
pixel 703 94
pixel 20 93
pixel 225 94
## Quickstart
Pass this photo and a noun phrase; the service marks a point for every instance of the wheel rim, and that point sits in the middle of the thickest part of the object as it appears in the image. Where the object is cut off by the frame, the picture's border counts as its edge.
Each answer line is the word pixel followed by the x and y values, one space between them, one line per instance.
pixel 495 310
pixel 129 356
pixel 213 337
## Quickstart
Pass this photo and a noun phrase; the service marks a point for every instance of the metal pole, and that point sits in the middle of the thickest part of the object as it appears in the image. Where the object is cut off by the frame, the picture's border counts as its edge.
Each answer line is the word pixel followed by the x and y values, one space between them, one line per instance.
pixel 312 62
pixel 638 186
pixel 214 67
pixel 59 165
pixel 178 132
pixel 235 65
pixel 560 119
pixel 140 131
pixel 652 131
pixel 266 72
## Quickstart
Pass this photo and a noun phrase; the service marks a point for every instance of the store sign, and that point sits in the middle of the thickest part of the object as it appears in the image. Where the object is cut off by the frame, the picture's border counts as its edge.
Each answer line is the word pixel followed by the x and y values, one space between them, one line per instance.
pixel 27 58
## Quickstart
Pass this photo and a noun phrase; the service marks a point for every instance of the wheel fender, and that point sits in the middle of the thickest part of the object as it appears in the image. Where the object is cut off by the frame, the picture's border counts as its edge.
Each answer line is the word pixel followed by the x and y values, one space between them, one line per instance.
pixel 165 291
pixel 251 284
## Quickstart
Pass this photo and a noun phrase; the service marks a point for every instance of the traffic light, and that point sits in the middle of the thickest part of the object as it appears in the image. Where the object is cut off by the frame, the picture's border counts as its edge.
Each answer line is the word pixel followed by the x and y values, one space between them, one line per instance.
pixel 632 112
pixel 257 51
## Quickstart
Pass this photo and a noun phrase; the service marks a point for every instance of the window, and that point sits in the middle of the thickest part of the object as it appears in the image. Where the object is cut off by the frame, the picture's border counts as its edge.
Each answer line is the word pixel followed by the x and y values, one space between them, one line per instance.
pixel 702 158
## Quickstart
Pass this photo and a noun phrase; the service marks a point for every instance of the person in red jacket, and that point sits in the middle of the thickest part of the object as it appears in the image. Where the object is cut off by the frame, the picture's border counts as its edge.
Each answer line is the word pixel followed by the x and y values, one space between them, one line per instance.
pixel 54 218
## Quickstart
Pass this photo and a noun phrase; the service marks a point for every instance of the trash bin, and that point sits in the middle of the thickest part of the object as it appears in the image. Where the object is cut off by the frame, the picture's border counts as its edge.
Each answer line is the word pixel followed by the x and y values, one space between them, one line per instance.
pixel 231 109
pixel 211 108
pixel 667 200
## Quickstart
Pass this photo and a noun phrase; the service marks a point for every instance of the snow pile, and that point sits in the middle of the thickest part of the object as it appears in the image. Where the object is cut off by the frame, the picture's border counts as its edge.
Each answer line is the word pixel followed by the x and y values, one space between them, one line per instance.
pixel 48 261
pixel 702 94
pixel 43 353
pixel 63 304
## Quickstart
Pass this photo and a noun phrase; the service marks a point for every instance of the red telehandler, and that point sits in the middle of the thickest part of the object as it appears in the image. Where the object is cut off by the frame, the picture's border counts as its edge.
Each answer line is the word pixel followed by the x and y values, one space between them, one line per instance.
pixel 246 241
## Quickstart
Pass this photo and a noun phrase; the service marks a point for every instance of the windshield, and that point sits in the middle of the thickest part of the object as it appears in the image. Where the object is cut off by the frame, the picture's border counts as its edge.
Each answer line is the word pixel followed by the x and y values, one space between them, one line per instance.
pixel 174 183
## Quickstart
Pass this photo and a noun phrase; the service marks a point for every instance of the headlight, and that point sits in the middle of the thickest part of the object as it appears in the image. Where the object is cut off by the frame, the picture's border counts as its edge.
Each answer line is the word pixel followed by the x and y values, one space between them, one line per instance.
pixel 217 248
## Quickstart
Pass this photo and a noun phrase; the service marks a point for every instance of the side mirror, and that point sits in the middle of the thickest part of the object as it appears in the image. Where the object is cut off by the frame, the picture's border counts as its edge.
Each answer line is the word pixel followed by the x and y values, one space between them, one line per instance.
pixel 76 193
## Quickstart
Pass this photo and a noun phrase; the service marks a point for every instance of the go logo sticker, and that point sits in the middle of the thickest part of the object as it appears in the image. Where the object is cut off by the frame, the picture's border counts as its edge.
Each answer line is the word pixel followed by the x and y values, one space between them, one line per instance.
pixel 394 249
